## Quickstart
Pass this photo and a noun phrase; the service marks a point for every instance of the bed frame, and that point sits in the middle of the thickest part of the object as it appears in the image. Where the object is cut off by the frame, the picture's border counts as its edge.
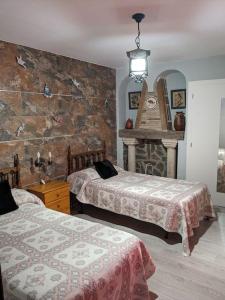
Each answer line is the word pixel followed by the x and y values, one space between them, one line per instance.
pixel 80 161
pixel 12 174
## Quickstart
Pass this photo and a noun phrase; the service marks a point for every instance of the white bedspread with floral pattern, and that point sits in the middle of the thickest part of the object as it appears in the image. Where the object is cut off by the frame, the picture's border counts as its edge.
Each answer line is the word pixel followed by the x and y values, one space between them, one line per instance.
pixel 175 205
pixel 45 254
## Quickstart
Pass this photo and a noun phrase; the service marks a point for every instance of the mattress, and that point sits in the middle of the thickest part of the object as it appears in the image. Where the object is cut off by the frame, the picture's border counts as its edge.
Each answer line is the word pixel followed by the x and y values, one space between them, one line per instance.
pixel 46 254
pixel 175 205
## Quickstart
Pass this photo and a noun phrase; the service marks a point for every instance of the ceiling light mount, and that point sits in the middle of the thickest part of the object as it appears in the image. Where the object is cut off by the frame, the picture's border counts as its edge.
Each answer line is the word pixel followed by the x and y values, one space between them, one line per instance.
pixel 138 65
pixel 138 17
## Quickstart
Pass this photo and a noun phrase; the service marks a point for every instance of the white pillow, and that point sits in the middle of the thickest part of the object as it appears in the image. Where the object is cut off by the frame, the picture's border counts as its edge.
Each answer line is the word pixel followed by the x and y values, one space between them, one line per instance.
pixel 77 179
pixel 22 197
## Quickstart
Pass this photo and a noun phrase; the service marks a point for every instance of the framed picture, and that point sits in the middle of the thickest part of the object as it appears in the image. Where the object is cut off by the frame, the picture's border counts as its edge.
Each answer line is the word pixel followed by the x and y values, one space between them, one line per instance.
pixel 134 98
pixel 178 99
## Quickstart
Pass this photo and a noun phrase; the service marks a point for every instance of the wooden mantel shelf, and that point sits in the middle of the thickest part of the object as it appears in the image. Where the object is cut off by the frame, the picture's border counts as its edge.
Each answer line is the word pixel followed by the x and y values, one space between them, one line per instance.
pixel 149 134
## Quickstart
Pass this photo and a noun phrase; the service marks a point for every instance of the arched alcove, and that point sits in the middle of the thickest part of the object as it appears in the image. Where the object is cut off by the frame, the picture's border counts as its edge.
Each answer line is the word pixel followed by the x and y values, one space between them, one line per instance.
pixel 174 81
pixel 154 151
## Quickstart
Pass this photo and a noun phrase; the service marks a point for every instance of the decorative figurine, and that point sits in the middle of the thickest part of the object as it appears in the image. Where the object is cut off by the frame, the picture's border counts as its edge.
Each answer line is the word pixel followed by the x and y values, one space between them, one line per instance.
pixel 179 121
pixel 47 92
pixel 76 83
pixel 20 129
pixel 21 62
pixel 129 124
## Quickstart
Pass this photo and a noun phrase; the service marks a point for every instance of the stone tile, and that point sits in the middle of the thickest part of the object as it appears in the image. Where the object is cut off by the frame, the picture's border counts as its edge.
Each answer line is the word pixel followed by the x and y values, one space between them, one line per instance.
pixel 10 104
pixel 81 120
pixel 7 152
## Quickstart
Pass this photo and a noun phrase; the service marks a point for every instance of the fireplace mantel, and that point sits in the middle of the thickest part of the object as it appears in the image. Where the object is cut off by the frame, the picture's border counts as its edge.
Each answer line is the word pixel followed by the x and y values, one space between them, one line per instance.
pixel 169 139
pixel 149 134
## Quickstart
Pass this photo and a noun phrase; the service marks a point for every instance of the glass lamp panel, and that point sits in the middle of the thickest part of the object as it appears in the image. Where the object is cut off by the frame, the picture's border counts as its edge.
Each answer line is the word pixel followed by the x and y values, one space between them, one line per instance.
pixel 138 65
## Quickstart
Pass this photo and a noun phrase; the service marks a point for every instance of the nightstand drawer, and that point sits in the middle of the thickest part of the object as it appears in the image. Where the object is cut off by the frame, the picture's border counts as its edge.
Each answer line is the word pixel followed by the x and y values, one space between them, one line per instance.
pixel 62 205
pixel 56 194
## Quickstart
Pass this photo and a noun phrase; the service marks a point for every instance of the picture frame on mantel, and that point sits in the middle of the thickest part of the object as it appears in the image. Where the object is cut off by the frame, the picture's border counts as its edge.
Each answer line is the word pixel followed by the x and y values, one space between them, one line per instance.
pixel 134 98
pixel 178 99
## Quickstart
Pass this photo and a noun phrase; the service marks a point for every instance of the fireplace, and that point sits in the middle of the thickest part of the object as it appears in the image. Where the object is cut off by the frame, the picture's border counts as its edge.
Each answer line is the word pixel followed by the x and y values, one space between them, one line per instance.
pixel 169 139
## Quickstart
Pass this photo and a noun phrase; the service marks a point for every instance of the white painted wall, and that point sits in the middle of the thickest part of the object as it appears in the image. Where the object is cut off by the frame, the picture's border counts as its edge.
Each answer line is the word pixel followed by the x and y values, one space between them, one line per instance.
pixel 222 125
pixel 121 99
pixel 176 80
pixel 204 106
pixel 132 87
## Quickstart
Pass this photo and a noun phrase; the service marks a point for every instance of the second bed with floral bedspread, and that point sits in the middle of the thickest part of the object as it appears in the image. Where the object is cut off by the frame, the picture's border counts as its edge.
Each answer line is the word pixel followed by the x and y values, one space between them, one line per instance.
pixel 175 205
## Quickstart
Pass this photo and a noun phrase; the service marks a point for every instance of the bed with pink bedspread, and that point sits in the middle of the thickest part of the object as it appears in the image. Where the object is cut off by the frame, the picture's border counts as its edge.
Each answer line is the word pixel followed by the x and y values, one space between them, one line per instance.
pixel 45 254
pixel 175 205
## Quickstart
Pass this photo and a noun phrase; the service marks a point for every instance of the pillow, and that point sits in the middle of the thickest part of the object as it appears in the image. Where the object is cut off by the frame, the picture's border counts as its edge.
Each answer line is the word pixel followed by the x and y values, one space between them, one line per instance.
pixel 105 169
pixel 78 179
pixel 7 202
pixel 22 197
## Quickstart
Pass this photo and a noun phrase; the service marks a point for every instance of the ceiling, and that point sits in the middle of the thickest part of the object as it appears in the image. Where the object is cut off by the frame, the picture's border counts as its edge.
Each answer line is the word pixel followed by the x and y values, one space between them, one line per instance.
pixel 101 31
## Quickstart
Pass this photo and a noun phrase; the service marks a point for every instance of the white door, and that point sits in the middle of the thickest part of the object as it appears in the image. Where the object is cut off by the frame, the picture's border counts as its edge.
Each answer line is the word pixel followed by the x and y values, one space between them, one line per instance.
pixel 204 103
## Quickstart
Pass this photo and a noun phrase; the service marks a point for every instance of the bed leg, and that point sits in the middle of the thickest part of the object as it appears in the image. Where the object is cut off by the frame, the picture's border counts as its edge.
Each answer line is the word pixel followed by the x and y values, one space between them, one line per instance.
pixel 166 236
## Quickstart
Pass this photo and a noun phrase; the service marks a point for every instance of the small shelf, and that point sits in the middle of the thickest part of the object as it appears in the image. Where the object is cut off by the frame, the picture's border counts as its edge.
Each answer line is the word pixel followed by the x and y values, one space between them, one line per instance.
pixel 151 134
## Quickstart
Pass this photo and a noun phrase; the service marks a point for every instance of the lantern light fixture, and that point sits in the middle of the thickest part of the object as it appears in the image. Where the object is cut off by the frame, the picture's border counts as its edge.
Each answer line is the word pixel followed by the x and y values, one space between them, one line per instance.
pixel 138 64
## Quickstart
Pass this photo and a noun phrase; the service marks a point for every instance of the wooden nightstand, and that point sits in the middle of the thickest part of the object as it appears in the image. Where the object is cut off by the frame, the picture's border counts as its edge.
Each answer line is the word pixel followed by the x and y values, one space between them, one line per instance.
pixel 54 194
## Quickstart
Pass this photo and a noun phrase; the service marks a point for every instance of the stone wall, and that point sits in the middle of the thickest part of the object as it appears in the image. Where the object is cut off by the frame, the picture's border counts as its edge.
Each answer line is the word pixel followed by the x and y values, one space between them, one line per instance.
pixel 80 113
pixel 152 151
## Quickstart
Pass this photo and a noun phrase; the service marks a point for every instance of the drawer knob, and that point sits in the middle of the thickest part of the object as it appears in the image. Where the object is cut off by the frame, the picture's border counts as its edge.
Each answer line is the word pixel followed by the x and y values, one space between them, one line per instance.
pixel 57 195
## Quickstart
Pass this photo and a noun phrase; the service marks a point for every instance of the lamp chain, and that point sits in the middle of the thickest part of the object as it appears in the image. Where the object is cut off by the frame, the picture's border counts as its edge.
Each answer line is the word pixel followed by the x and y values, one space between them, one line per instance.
pixel 137 40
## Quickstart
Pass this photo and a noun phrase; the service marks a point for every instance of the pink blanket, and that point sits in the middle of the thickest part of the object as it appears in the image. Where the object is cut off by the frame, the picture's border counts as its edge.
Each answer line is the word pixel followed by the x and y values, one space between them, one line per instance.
pixel 45 254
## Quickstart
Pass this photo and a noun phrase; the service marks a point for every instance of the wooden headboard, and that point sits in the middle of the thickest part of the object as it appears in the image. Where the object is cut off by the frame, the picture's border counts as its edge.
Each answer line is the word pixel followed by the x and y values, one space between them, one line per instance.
pixel 12 174
pixel 80 161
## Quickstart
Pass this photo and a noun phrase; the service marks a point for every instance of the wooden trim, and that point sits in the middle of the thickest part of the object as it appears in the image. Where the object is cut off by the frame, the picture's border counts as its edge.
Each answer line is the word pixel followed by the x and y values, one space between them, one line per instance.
pixel 14 173
pixel 162 103
pixel 80 161
pixel 150 134
pixel 141 104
